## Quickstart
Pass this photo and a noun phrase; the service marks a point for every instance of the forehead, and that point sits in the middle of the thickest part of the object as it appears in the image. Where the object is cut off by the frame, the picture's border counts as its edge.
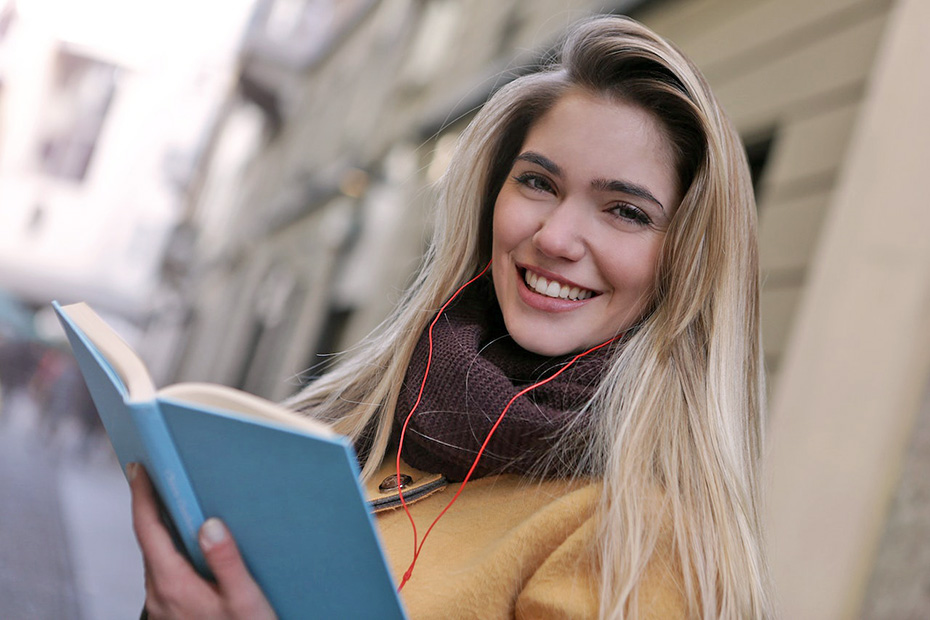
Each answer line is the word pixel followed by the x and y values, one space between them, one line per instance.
pixel 593 136
pixel 599 122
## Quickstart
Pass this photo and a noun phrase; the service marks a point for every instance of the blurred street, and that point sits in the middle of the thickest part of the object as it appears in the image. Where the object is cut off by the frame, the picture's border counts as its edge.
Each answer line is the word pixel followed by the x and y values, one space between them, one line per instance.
pixel 66 544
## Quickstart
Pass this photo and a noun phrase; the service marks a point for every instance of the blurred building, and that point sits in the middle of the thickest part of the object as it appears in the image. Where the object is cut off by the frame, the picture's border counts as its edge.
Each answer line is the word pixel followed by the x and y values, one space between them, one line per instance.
pixel 103 107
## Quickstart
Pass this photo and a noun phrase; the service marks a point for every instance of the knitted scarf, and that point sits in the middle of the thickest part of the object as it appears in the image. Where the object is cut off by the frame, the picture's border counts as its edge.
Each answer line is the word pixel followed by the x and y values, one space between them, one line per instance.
pixel 476 369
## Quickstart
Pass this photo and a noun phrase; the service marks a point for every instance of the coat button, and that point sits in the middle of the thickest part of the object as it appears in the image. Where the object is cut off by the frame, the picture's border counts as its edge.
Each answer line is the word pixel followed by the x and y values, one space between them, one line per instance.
pixel 390 483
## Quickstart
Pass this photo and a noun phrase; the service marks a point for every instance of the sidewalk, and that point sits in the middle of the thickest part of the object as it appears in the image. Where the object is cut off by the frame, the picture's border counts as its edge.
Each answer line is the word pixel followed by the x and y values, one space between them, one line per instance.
pixel 66 544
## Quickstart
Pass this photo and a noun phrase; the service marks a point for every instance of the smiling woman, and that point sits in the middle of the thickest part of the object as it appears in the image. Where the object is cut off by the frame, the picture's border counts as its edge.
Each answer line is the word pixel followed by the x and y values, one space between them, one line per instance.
pixel 579 223
pixel 604 382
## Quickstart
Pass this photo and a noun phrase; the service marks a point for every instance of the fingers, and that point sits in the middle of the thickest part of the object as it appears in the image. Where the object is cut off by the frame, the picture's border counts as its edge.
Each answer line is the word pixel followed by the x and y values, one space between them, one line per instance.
pixel 233 579
pixel 171 583
pixel 161 556
pixel 173 587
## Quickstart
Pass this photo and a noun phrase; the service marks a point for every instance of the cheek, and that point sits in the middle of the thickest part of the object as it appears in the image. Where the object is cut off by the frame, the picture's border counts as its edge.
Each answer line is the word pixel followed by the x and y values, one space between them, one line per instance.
pixel 510 226
pixel 500 246
pixel 634 270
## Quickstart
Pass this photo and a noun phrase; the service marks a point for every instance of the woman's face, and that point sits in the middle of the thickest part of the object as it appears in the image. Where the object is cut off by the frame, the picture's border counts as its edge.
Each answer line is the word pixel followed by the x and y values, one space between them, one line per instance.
pixel 579 223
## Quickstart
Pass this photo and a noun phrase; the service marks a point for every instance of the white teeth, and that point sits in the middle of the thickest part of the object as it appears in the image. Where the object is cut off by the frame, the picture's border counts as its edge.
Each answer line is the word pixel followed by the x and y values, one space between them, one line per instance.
pixel 552 288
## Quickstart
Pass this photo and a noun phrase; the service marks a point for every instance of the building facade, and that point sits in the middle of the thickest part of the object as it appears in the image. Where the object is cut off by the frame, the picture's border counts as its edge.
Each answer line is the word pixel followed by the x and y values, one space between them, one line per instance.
pixel 102 107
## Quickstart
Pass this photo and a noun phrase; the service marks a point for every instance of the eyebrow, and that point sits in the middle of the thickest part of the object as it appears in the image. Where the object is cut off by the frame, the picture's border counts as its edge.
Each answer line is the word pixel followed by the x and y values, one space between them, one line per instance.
pixel 603 185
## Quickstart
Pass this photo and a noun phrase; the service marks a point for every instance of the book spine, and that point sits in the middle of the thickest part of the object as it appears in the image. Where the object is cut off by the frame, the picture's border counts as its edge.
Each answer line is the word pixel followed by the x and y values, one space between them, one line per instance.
pixel 170 479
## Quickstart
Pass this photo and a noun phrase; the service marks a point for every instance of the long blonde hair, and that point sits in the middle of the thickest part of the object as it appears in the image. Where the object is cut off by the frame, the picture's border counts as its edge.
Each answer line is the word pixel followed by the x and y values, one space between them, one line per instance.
pixel 680 409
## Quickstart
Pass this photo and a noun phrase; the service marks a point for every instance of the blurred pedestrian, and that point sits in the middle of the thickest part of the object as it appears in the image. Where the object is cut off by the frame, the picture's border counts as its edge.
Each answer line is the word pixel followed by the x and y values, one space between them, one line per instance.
pixel 19 360
pixel 64 402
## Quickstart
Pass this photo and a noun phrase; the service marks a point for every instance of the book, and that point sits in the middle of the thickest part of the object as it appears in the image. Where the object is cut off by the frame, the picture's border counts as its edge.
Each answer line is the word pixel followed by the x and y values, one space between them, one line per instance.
pixel 286 486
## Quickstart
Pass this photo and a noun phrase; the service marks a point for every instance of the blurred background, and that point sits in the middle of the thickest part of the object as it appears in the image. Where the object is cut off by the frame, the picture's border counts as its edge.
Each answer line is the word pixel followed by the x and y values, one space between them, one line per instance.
pixel 242 187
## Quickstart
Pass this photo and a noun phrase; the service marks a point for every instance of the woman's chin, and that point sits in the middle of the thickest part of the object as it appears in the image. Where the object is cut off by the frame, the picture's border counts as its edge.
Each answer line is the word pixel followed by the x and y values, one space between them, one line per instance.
pixel 542 343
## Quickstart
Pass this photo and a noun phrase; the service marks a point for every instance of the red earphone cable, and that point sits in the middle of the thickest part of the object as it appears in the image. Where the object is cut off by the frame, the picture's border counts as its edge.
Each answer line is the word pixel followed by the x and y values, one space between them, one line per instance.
pixel 400 444
pixel 417 548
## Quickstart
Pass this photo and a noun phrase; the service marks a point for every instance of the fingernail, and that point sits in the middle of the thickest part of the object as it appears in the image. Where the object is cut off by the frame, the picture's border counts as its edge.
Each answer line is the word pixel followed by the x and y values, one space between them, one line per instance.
pixel 131 470
pixel 213 532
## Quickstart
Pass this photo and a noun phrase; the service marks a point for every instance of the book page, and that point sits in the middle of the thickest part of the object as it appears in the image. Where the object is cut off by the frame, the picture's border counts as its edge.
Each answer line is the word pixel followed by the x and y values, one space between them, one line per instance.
pixel 236 401
pixel 115 350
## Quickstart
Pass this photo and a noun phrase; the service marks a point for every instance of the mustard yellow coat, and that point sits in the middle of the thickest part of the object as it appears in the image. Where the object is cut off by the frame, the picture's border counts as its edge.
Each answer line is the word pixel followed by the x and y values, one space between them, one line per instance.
pixel 508 548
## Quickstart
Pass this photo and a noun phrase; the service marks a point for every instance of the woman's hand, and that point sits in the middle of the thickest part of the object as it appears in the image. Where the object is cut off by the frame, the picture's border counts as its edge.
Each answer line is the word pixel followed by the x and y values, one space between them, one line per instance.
pixel 173 589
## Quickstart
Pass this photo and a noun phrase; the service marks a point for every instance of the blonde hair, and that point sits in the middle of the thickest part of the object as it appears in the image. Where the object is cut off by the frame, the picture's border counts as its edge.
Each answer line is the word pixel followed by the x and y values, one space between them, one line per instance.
pixel 680 409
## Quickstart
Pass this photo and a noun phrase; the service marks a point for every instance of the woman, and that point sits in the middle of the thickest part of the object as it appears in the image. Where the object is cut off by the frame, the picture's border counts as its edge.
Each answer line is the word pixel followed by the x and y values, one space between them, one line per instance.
pixel 612 199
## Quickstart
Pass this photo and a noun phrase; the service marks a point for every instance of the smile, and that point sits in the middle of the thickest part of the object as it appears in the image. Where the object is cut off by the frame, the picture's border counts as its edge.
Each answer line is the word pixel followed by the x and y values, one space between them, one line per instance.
pixel 553 288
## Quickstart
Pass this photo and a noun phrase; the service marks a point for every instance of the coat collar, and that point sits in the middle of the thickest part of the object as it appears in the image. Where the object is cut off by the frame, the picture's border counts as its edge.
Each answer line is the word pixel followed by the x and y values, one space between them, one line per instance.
pixel 381 489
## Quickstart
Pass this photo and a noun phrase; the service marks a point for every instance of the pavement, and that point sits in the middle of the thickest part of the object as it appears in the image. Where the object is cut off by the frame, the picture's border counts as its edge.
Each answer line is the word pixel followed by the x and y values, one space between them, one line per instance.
pixel 66 545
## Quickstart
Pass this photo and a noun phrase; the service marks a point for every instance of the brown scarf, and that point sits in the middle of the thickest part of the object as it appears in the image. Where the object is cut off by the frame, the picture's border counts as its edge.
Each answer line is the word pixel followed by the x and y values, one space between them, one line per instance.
pixel 476 369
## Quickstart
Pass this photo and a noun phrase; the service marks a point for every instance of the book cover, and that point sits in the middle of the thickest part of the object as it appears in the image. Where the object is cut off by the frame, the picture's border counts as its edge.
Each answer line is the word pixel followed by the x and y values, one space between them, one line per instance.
pixel 287 487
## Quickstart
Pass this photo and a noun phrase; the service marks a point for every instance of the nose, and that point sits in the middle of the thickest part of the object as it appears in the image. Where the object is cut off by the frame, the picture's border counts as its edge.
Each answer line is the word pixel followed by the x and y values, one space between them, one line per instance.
pixel 560 233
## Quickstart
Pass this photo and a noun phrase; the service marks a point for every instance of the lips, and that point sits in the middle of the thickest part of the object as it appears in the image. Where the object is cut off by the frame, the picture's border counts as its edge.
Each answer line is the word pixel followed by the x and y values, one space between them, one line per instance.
pixel 553 288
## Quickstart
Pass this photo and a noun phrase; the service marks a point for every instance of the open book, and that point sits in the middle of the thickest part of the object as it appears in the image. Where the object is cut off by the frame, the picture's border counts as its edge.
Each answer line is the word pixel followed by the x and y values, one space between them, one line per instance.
pixel 286 486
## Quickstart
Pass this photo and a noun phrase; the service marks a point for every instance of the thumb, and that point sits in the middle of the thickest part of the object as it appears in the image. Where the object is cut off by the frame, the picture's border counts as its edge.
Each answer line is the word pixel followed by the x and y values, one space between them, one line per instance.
pixel 233 579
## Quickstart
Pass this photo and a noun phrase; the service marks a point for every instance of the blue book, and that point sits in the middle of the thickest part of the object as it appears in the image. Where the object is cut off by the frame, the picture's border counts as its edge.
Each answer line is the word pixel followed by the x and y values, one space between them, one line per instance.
pixel 286 486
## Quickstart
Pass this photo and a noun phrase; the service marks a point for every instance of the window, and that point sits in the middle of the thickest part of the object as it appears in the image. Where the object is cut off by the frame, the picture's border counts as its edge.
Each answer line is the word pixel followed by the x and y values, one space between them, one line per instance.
pixel 297 33
pixel 81 92
pixel 757 152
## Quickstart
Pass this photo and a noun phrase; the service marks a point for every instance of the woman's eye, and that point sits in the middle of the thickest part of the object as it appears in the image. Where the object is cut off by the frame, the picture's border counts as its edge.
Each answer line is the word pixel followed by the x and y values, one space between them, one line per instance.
pixel 534 182
pixel 630 213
